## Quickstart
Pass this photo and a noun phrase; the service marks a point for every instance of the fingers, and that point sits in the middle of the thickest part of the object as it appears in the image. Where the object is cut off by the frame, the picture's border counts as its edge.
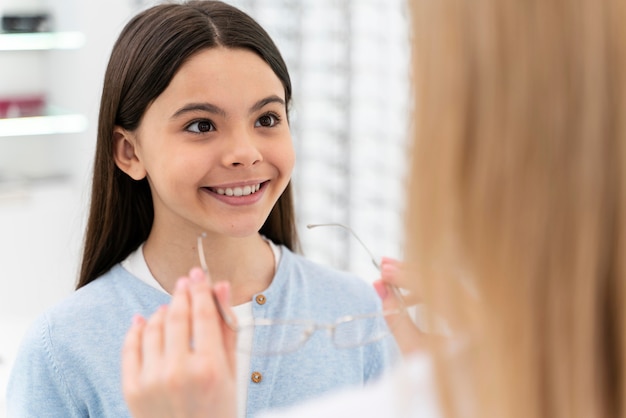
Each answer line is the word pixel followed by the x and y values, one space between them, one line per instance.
pixel 152 341
pixel 191 325
pixel 178 322
pixel 390 299
pixel 408 336
pixel 221 291
pixel 390 271
pixel 176 361
pixel 191 316
pixel 131 356
pixel 388 285
pixel 206 328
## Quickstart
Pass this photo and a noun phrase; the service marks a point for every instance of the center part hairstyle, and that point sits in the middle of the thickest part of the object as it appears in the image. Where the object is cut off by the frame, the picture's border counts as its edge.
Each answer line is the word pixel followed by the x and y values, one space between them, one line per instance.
pixel 149 51
pixel 517 218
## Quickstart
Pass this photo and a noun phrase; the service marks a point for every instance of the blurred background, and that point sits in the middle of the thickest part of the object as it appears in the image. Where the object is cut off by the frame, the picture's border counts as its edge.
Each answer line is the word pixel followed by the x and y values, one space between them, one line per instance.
pixel 348 61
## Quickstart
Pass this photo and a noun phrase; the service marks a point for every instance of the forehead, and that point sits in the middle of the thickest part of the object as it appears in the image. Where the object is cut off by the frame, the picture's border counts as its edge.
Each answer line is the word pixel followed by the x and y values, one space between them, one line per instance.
pixel 224 71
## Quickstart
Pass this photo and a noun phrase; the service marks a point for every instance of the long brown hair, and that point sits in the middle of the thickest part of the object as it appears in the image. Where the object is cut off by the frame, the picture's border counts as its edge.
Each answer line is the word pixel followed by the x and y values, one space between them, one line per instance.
pixel 146 56
pixel 517 212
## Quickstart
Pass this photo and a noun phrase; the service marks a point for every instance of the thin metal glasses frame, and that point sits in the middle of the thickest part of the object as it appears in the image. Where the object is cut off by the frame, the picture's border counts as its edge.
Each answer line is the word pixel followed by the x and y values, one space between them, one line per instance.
pixel 309 327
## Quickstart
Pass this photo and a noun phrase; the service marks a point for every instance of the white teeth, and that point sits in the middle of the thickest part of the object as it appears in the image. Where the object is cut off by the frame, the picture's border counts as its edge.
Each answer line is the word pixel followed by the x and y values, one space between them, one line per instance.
pixel 239 191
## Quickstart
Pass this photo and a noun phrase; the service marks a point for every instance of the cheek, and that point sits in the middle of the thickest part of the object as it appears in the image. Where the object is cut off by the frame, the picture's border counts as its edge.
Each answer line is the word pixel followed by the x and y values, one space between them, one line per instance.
pixel 175 171
pixel 286 159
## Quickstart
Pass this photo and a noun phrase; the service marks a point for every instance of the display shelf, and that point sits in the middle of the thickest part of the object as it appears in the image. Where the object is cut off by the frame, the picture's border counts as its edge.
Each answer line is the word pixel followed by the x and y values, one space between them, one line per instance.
pixel 39 41
pixel 53 122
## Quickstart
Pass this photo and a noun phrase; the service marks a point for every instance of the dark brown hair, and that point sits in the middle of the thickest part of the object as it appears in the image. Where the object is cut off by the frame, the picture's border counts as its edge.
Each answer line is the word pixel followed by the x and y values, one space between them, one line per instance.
pixel 145 58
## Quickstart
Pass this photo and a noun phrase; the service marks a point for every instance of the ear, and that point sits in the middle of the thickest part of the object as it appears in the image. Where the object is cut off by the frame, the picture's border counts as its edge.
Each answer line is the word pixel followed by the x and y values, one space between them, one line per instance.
pixel 124 151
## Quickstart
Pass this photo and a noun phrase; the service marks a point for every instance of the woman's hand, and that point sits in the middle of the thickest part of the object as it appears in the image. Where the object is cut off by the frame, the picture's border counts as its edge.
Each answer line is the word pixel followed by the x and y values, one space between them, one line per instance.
pixel 181 361
pixel 406 333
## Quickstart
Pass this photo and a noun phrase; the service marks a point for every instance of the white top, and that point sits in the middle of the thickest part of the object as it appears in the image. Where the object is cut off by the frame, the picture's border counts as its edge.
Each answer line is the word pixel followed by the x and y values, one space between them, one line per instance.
pixel 406 391
pixel 136 265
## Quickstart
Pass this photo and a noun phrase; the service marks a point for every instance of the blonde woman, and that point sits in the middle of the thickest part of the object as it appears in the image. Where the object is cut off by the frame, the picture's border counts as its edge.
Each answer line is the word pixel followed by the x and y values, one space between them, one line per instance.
pixel 516 225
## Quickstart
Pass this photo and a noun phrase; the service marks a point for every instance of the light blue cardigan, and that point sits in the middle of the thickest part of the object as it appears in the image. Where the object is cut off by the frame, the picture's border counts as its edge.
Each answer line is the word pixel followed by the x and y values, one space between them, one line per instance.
pixel 69 361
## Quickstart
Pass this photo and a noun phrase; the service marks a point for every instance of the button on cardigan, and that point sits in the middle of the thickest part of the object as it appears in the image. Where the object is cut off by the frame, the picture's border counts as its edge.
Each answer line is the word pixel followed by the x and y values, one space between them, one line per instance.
pixel 69 361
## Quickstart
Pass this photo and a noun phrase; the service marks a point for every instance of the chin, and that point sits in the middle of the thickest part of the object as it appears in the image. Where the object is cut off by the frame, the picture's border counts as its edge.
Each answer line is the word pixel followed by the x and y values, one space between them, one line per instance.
pixel 243 231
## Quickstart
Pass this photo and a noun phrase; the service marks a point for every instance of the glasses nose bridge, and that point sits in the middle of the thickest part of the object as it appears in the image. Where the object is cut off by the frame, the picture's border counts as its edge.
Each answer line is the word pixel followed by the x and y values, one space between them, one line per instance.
pixel 329 328
pixel 313 328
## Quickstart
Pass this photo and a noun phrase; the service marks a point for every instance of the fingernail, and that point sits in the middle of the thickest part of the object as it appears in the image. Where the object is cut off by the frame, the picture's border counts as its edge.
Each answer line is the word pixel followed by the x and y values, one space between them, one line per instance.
pixel 182 283
pixel 381 289
pixel 389 268
pixel 137 319
pixel 196 275
pixel 223 288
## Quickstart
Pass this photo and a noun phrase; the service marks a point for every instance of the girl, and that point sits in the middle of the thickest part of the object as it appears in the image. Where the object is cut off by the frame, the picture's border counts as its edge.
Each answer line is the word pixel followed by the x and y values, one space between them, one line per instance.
pixel 516 224
pixel 193 139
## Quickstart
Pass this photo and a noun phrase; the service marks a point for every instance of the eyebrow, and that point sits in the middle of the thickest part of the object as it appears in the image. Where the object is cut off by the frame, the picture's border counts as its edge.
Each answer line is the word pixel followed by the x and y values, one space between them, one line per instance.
pixel 211 108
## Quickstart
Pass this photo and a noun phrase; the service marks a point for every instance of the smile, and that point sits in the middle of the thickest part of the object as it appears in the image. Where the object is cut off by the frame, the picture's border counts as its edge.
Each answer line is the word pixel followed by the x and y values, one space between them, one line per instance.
pixel 238 191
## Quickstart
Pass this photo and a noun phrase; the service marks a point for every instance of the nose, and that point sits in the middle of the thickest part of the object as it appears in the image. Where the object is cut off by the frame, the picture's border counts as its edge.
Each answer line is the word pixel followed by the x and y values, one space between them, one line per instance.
pixel 241 150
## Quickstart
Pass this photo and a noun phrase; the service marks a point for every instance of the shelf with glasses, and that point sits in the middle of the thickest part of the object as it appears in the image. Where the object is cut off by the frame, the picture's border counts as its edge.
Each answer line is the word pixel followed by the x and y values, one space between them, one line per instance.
pixel 53 121
pixel 50 120
pixel 41 41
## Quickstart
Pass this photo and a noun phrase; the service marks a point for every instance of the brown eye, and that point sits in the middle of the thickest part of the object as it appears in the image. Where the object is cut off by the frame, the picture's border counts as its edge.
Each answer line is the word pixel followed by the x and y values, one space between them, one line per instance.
pixel 201 126
pixel 204 126
pixel 267 121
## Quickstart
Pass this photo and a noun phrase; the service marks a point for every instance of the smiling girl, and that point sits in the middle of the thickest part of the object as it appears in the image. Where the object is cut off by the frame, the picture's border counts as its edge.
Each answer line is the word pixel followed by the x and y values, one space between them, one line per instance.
pixel 193 139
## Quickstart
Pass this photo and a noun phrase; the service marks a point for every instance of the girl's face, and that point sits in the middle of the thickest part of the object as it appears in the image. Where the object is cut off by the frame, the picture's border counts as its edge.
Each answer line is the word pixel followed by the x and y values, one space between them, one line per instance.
pixel 215 145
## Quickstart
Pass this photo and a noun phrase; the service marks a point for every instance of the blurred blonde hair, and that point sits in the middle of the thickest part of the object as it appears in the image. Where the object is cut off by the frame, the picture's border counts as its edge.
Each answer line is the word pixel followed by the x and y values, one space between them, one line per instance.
pixel 517 209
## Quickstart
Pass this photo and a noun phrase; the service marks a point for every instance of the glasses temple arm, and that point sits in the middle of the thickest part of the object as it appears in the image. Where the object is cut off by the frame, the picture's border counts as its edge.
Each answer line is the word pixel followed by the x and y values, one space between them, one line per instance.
pixel 347 228
pixel 396 291
pixel 225 317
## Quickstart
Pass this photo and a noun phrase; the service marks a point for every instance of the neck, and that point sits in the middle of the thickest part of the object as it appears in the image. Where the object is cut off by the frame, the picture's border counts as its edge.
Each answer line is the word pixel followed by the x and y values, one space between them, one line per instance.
pixel 246 262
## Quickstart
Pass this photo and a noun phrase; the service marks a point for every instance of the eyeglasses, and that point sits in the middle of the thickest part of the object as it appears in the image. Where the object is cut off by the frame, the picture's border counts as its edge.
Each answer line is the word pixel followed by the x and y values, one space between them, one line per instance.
pixel 397 292
pixel 351 231
pixel 284 336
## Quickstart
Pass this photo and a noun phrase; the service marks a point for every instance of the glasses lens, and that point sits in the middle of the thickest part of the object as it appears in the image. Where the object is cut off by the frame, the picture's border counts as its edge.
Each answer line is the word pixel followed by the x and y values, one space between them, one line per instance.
pixel 360 331
pixel 278 337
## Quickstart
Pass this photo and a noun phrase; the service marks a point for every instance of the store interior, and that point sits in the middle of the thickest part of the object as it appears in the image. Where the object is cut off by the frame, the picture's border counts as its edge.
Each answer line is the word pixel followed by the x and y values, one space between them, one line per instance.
pixel 52 59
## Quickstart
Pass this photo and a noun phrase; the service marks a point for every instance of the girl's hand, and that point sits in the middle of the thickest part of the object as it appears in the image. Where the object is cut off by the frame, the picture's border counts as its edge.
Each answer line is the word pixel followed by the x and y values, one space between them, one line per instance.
pixel 407 334
pixel 181 361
